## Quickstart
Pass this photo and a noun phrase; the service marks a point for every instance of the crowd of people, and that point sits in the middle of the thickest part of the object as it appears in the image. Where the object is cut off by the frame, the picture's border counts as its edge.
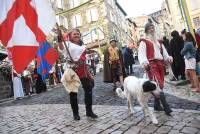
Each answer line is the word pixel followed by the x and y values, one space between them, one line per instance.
pixel 30 82
pixel 153 55
pixel 184 48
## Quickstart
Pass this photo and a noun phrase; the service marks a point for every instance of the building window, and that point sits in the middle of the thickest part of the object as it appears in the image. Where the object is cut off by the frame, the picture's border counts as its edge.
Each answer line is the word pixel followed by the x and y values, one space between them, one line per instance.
pixel 60 4
pixel 74 3
pixel 59 19
pixel 111 3
pixel 65 23
pixel 87 38
pixel 194 5
pixel 100 33
pixel 76 21
pixel 196 21
pixel 94 34
pixel 111 16
pixel 92 15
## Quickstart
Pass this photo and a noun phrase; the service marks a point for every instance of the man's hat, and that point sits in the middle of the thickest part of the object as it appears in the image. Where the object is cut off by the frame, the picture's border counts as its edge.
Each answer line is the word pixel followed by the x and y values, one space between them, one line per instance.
pixel 148 25
pixel 112 39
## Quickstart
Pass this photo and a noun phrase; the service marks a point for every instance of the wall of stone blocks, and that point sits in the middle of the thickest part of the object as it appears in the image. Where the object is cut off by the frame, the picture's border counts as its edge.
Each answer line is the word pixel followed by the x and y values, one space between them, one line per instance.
pixel 5 87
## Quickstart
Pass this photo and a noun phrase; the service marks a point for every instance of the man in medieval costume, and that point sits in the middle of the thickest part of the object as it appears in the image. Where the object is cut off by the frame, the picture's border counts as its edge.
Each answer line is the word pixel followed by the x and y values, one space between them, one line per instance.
pixel 152 55
pixel 113 65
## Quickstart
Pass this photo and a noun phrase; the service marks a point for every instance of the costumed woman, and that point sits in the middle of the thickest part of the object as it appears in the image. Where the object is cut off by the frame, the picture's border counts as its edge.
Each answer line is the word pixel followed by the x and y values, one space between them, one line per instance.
pixel 76 72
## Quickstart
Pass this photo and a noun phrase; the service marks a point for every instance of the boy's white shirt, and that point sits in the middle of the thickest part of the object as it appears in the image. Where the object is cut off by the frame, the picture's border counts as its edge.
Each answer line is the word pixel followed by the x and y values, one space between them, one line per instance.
pixel 75 50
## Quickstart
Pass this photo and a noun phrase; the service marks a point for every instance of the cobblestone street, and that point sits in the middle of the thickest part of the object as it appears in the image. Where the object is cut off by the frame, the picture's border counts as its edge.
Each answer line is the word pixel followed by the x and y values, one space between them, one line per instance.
pixel 50 112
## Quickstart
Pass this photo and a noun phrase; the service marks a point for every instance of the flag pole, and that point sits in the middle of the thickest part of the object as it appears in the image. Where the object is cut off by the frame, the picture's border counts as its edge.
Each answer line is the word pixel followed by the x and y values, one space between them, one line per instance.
pixel 187 16
pixel 12 71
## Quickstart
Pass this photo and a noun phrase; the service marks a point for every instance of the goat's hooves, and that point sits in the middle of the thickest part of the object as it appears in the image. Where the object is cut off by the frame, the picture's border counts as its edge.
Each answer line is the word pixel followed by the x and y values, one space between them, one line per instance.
pixel 155 122
pixel 131 112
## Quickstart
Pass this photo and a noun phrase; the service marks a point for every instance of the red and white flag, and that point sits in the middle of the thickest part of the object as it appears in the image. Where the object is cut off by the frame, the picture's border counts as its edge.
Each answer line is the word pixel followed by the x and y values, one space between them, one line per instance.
pixel 24 25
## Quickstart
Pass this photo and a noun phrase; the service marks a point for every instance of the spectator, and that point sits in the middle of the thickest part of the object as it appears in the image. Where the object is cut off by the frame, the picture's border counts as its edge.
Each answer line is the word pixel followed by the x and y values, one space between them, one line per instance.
pixel 166 43
pixel 27 81
pixel 197 36
pixel 113 64
pixel 190 62
pixel 178 65
pixel 93 64
pixel 40 85
pixel 17 86
pixel 128 59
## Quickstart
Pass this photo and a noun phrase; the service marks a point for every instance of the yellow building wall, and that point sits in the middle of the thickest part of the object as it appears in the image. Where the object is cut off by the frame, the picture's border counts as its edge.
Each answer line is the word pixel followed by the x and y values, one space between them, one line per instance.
pixel 194 9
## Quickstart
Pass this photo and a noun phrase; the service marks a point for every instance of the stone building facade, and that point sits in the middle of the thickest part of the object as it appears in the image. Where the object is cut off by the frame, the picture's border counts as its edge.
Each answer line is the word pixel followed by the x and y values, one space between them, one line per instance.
pixel 163 20
pixel 178 20
pixel 5 82
pixel 160 19
pixel 98 20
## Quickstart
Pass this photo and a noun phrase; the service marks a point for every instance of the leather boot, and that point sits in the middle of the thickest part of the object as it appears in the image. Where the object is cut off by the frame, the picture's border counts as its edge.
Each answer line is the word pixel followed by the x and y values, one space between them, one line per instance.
pixel 88 104
pixel 166 107
pixel 157 106
pixel 74 105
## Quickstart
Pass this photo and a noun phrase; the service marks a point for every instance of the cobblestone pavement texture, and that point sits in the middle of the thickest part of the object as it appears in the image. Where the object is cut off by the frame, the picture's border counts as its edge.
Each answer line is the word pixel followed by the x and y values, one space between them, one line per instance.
pixel 50 112
pixel 57 119
pixel 103 95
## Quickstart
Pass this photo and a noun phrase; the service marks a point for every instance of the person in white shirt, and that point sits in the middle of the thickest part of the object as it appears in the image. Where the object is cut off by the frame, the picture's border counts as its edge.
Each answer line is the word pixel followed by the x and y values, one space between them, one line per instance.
pixel 17 86
pixel 152 55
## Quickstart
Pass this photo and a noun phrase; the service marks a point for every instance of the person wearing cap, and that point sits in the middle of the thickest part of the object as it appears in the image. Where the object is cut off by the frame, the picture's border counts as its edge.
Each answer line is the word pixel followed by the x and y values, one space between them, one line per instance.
pixel 152 55
pixel 113 65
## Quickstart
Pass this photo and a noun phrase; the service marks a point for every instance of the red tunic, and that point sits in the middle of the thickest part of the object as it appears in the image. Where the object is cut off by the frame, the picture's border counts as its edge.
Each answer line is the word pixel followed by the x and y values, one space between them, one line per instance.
pixel 82 70
pixel 156 71
pixel 150 48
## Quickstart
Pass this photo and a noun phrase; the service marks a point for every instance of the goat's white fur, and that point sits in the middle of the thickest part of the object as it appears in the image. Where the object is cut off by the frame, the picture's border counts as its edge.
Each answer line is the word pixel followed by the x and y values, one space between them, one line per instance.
pixel 133 87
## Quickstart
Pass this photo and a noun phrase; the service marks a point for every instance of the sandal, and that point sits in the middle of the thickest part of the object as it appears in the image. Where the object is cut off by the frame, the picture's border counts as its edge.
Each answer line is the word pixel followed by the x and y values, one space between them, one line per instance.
pixel 196 90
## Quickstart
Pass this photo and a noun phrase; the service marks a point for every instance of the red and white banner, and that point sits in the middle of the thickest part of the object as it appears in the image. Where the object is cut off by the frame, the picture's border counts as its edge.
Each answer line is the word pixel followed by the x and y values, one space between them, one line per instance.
pixel 24 25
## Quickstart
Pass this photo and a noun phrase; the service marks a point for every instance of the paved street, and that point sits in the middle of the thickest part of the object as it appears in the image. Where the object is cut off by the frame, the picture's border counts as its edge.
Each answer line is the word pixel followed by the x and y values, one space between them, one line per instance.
pixel 50 112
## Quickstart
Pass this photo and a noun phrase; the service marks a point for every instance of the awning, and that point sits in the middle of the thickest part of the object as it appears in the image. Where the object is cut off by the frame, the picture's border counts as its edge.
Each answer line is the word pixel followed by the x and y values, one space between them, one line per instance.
pixel 97 44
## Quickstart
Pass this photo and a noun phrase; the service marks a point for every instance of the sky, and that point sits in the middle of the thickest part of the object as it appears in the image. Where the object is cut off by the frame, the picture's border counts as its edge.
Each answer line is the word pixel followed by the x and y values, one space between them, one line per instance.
pixel 136 8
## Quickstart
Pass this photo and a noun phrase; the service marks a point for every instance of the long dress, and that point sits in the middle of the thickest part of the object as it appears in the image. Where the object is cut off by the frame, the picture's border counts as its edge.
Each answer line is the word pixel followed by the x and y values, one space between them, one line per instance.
pixel 17 87
pixel 178 65
pixel 40 85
